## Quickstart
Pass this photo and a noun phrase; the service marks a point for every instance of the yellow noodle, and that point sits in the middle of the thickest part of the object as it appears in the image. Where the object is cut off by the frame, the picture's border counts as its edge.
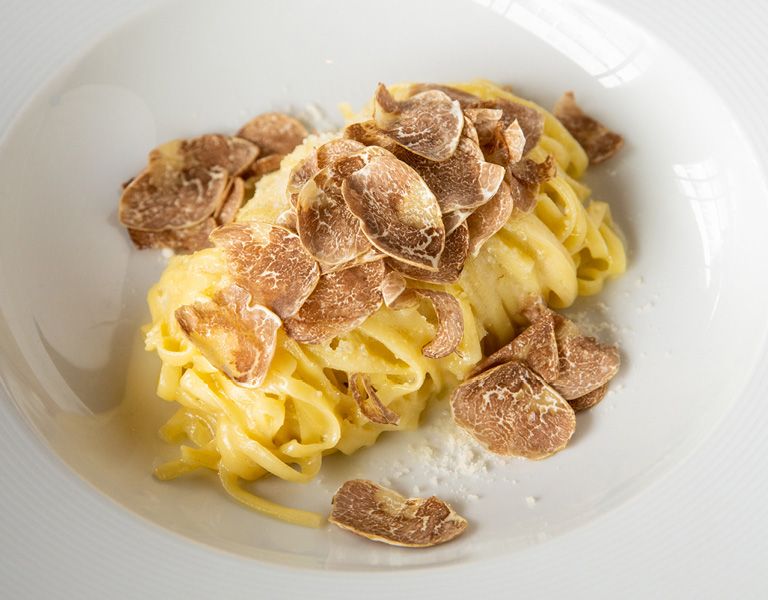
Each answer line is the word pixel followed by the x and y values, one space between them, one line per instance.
pixel 303 409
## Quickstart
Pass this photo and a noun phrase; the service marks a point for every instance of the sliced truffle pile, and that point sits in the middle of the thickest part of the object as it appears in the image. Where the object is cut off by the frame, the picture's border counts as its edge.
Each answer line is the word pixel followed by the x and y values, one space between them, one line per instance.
pixel 375 217
pixel 192 186
pixel 521 400
pixel 378 513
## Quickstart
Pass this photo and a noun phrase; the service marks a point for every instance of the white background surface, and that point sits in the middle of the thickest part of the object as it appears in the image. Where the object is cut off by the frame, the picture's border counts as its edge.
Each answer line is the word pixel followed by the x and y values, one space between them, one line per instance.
pixel 699 532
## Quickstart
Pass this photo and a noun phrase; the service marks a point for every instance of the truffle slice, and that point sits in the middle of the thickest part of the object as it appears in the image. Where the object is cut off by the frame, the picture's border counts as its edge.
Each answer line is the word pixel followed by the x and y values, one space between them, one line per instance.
pixel 287 220
pixel 327 228
pixel 487 219
pixel 172 200
pixel 484 121
pixel 370 256
pixel 450 319
pixel 371 406
pixel 398 212
pixel 464 180
pixel 232 154
pixel 274 133
pixel 270 262
pixel 232 202
pixel 428 124
pixel 236 337
pixel 511 411
pixel 599 142
pixel 320 158
pixel 450 327
pixel 184 183
pixel 377 513
pixel 262 166
pixel 536 347
pixel 589 400
pixel 186 239
pixel 526 179
pixel 463 98
pixel 531 120
pixel 341 301
pixel 506 145
pixel 392 287
pixel 449 266
pixel 585 365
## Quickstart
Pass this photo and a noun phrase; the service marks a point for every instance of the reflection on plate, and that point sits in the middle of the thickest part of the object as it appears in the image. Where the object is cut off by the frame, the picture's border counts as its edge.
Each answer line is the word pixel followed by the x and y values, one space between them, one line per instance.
pixel 72 296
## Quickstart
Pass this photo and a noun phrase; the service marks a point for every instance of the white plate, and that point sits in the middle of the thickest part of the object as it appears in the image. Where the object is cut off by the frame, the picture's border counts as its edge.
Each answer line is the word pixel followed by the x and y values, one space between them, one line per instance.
pixel 688 190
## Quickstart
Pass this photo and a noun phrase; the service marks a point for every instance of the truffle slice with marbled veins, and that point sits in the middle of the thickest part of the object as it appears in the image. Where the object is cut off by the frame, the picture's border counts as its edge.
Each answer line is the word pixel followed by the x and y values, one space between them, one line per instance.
pixel 321 157
pixel 371 405
pixel 464 180
pixel 327 228
pixel 511 411
pixel 449 266
pixel 585 365
pixel 381 514
pixel 341 301
pixel 274 133
pixel 184 183
pixel 599 142
pixel 237 337
pixel 428 124
pixel 489 218
pixel 398 212
pixel 270 262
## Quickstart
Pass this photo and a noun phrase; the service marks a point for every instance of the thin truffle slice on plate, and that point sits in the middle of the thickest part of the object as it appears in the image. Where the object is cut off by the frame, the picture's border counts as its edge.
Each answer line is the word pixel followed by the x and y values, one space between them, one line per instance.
pixel 511 411
pixel 235 336
pixel 172 200
pixel 274 133
pixel 599 142
pixel 270 262
pixel 184 183
pixel 428 124
pixel 585 365
pixel 380 514
pixel 371 406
